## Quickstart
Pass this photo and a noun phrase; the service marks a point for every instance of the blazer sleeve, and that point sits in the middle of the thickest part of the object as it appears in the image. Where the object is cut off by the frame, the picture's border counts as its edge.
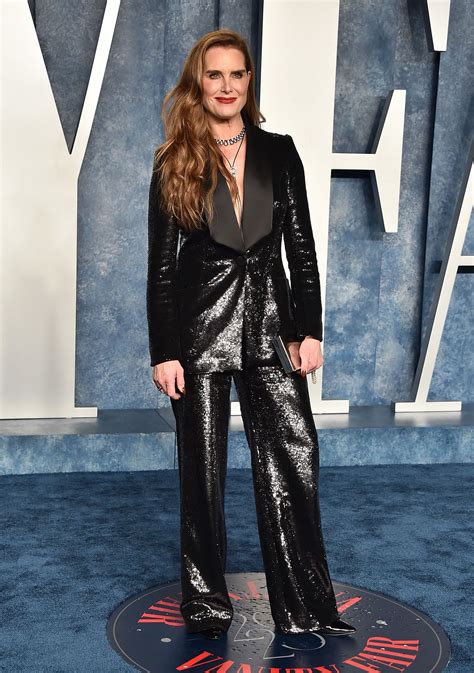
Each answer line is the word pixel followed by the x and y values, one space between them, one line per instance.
pixel 162 314
pixel 300 250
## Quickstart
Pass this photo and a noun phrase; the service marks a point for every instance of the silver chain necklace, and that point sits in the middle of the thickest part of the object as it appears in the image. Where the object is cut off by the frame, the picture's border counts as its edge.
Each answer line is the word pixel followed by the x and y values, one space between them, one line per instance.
pixel 231 141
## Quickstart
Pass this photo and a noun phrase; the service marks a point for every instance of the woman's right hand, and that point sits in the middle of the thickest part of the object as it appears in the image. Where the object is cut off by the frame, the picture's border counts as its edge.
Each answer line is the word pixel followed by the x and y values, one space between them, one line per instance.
pixel 167 376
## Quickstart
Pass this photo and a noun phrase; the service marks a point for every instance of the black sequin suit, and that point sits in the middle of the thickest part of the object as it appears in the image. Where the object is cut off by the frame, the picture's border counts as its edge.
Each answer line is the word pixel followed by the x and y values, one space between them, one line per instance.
pixel 213 303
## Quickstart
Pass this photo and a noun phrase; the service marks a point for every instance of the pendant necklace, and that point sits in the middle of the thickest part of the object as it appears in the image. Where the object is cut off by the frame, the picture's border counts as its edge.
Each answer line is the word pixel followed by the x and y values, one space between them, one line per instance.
pixel 231 141
pixel 233 169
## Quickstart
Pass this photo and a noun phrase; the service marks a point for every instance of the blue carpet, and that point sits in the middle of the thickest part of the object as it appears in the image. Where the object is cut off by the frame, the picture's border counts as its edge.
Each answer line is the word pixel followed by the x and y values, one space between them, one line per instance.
pixel 77 544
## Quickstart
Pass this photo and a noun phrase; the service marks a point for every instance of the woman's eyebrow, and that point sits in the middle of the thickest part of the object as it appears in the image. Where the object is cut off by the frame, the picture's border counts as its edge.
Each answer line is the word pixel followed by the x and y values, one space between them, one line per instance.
pixel 233 71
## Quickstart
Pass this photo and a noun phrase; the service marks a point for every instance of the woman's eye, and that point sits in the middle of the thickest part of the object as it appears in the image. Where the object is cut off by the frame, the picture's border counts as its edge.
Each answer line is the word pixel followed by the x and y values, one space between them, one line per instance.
pixel 213 75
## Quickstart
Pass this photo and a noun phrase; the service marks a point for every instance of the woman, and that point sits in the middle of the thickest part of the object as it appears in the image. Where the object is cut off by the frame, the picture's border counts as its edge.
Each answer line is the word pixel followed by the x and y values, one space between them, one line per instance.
pixel 223 194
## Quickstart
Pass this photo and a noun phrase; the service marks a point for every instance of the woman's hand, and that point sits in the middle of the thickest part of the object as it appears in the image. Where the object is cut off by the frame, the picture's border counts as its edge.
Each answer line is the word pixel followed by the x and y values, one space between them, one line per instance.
pixel 310 355
pixel 167 376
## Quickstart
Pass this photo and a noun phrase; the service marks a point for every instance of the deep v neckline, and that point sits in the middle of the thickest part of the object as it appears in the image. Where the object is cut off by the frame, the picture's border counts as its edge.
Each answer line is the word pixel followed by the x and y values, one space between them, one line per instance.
pixel 239 224
pixel 257 207
pixel 245 185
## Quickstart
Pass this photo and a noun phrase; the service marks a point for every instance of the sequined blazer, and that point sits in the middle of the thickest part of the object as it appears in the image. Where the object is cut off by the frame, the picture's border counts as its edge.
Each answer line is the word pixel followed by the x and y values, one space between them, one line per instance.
pixel 215 297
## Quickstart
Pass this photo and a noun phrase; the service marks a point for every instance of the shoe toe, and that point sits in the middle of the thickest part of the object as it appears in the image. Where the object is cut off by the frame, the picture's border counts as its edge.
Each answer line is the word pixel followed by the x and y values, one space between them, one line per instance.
pixel 337 628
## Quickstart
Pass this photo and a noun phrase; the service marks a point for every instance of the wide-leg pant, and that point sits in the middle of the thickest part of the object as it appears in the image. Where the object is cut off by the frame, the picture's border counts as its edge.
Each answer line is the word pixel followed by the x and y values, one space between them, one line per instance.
pixel 283 440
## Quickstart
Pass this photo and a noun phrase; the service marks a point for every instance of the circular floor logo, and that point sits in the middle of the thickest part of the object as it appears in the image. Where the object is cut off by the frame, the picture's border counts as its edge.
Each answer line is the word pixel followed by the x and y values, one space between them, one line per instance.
pixel 148 631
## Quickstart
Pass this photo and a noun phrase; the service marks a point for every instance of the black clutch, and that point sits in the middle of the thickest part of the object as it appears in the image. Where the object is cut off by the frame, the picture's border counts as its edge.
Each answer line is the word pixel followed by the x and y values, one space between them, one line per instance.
pixel 281 347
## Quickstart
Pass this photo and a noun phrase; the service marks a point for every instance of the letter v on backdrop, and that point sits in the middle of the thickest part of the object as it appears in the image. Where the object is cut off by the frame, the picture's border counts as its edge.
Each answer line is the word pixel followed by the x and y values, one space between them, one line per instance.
pixel 39 223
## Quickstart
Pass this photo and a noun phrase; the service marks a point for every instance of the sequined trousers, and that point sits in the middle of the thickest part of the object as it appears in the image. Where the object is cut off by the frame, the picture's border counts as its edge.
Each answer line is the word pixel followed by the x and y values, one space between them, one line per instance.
pixel 283 441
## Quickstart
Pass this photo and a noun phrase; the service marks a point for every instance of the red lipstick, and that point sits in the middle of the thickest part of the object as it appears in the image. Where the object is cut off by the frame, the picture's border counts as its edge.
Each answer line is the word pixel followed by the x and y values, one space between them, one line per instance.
pixel 226 100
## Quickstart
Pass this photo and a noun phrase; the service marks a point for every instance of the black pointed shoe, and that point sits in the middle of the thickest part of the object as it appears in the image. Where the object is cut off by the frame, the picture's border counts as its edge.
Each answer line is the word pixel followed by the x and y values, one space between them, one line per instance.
pixel 337 628
pixel 213 633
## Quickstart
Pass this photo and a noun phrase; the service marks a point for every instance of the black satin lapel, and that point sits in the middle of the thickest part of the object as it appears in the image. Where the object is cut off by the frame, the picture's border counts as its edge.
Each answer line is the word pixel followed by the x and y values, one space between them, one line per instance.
pixel 258 189
pixel 223 227
pixel 257 215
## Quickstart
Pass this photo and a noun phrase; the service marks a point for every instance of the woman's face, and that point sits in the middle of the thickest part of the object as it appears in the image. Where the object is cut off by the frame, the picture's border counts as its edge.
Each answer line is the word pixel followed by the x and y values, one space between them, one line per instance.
pixel 224 78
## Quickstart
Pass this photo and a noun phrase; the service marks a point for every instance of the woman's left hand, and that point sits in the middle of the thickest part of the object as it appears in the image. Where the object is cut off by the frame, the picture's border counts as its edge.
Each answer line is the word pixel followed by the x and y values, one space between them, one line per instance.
pixel 310 355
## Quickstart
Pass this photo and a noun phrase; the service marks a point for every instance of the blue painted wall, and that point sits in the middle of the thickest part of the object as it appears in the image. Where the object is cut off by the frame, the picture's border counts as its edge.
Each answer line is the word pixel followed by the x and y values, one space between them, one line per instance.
pixel 454 372
pixel 379 285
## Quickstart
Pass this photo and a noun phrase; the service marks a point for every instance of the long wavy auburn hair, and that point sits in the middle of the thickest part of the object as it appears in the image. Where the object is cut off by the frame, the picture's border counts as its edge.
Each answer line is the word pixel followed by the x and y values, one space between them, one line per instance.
pixel 189 160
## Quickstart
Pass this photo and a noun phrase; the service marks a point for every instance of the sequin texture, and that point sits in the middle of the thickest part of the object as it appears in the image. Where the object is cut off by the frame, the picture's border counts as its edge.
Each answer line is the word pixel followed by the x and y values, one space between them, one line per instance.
pixel 283 440
pixel 215 299
pixel 215 303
